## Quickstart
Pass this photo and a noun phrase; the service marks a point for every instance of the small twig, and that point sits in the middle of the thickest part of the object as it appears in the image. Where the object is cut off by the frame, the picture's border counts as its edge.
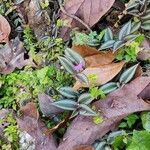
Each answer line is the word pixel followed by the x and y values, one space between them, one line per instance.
pixel 73 16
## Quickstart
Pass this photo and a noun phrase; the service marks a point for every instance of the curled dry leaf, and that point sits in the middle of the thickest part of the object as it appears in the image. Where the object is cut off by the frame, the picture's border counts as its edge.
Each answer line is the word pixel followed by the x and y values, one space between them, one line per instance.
pixel 117 105
pixel 4 30
pixel 102 73
pixel 30 123
pixel 93 57
pixel 88 10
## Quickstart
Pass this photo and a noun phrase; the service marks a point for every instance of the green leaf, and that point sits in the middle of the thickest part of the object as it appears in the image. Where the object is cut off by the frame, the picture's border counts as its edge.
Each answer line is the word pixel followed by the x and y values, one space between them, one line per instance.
pixel 86 111
pixel 73 56
pixel 100 145
pixel 85 98
pixel 125 30
pixel 146 17
pixel 66 104
pixel 97 92
pixel 145 117
pixel 98 119
pixel 108 35
pixel 140 141
pixel 128 74
pixel 68 92
pixel 67 65
pixel 108 44
pixel 109 87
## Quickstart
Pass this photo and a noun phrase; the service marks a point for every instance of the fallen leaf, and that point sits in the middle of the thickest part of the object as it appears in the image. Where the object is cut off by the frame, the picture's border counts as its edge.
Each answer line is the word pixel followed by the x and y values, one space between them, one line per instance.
pixel 85 50
pixel 114 108
pixel 145 94
pixel 92 56
pixel 4 30
pixel 87 10
pixel 12 56
pixel 102 58
pixel 102 73
pixel 139 72
pixel 47 109
pixel 29 122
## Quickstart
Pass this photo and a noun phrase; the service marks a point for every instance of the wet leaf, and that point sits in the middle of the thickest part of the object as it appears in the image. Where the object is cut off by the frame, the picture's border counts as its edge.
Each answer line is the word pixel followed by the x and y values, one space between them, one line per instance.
pixel 4 30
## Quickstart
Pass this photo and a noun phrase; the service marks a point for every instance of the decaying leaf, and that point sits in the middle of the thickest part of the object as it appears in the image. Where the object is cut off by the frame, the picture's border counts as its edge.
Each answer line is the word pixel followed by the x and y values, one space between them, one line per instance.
pixel 4 30
pixel 12 56
pixel 117 105
pixel 85 50
pixel 47 109
pixel 102 73
pixel 88 10
pixel 93 57
pixel 30 123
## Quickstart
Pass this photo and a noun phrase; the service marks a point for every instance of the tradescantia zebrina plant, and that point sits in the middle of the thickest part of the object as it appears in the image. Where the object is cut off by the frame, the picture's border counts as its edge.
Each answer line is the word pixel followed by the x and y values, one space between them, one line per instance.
pixel 74 64
pixel 124 78
pixel 78 103
pixel 126 34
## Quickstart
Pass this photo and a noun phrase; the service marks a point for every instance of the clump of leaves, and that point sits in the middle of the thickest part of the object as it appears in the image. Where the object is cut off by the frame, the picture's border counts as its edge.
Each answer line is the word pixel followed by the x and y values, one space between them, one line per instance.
pixel 75 101
pixel 140 9
pixel 25 85
pixel 11 133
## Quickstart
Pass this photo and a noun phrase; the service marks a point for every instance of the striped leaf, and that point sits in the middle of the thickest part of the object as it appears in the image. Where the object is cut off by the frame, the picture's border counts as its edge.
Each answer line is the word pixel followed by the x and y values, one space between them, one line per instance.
pixel 85 98
pixel 108 35
pixel 67 65
pixel 109 87
pixel 128 74
pixel 66 104
pixel 108 44
pixel 68 92
pixel 86 111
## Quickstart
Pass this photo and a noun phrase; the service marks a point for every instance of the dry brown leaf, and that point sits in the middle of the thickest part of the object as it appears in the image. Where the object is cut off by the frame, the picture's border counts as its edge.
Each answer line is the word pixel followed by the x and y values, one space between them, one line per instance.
pixel 90 11
pixel 85 50
pixel 102 58
pixel 139 72
pixel 103 74
pixel 4 30
pixel 92 56
pixel 118 105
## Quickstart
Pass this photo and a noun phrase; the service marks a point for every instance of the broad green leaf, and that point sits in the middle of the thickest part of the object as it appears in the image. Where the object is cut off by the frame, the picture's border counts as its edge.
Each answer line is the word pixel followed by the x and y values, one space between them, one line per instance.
pixel 108 35
pixel 145 117
pixel 66 104
pixel 125 30
pixel 68 92
pixel 109 87
pixel 67 65
pixel 132 4
pixel 108 44
pixel 85 98
pixel 128 74
pixel 86 111
pixel 140 141
pixel 74 56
